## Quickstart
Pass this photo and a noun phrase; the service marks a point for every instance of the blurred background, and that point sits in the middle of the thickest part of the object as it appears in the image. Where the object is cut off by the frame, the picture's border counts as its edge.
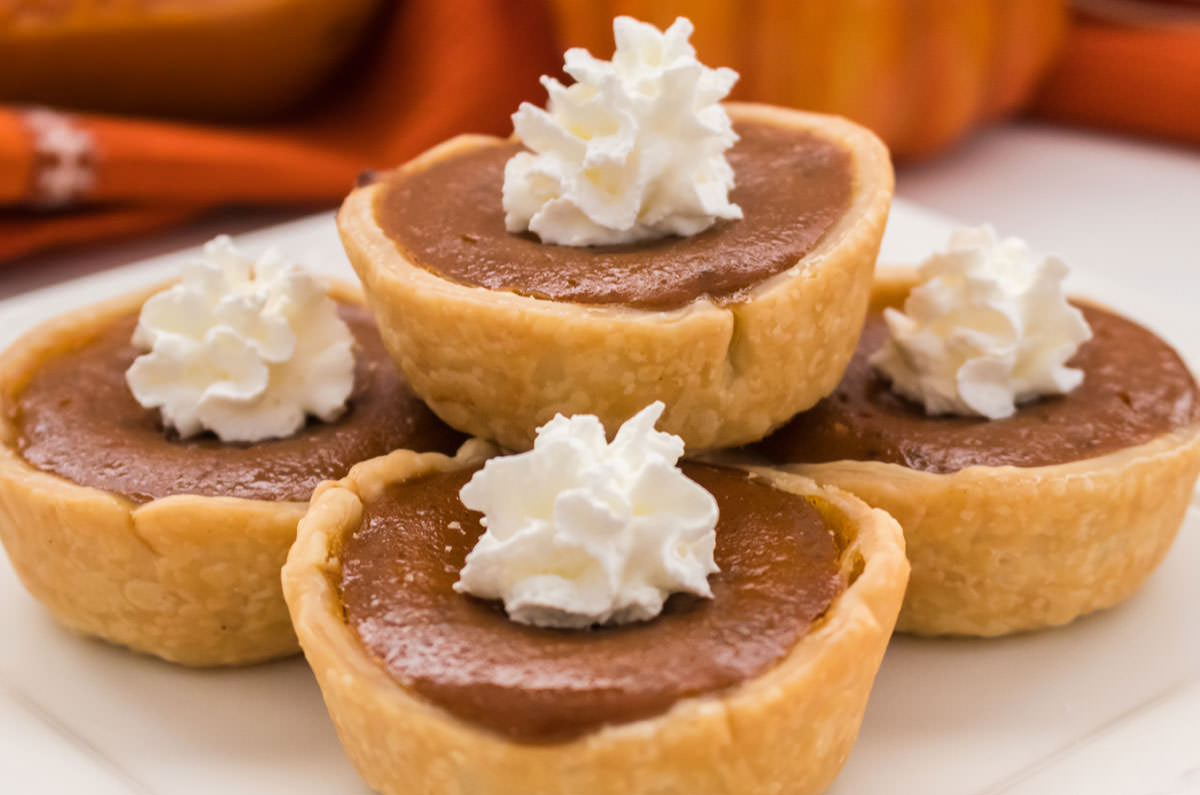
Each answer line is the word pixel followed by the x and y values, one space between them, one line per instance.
pixel 123 117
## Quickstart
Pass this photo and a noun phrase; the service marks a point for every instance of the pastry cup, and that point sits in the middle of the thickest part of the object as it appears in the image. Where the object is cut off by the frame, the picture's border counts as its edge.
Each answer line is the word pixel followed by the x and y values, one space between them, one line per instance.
pixel 498 365
pixel 789 729
pixel 1003 549
pixel 191 579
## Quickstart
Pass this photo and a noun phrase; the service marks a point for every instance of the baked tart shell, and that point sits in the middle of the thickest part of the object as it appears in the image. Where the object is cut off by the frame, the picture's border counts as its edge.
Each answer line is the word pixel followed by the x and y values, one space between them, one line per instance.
pixel 191 579
pixel 996 550
pixel 789 729
pixel 498 364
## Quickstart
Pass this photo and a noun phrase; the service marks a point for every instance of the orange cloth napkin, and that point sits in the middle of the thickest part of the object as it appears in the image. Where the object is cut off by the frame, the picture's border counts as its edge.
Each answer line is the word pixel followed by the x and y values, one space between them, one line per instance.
pixel 1129 77
pixel 442 68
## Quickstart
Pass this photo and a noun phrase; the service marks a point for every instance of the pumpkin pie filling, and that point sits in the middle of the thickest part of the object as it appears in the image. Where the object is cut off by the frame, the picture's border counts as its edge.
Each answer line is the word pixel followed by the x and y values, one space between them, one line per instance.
pixel 1135 388
pixel 77 419
pixel 792 186
pixel 779 572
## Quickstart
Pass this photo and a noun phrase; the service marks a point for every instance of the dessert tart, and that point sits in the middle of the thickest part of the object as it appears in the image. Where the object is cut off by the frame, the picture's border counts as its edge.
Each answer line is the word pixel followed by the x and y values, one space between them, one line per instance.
pixel 170 546
pixel 736 327
pixel 1024 522
pixel 760 689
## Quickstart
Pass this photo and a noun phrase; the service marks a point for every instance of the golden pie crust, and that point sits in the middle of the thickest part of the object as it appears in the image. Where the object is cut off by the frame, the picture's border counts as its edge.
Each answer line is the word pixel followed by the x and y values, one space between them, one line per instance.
pixel 191 579
pixel 788 730
pixel 996 550
pixel 498 365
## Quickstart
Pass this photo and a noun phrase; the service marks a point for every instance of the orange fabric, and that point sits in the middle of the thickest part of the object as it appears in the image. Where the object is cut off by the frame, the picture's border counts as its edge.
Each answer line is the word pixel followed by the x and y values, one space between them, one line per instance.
pixel 23 232
pixel 16 159
pixel 440 68
pixel 1143 80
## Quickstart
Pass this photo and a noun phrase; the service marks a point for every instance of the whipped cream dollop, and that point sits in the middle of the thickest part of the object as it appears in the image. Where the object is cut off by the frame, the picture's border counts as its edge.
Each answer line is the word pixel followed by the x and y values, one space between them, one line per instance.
pixel 582 532
pixel 989 327
pixel 241 347
pixel 633 150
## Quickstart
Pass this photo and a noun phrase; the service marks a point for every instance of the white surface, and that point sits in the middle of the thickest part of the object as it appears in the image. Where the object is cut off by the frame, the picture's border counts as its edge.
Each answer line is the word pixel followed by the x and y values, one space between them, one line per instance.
pixel 1110 704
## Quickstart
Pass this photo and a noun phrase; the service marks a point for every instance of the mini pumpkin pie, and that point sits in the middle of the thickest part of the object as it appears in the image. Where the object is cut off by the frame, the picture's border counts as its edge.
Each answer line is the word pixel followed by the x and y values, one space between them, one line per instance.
pixel 171 546
pixel 736 325
pixel 760 688
pixel 1026 521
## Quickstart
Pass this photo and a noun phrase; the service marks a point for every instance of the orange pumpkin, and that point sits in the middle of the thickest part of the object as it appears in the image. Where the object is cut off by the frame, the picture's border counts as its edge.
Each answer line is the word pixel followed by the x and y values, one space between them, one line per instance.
pixel 918 72
pixel 212 59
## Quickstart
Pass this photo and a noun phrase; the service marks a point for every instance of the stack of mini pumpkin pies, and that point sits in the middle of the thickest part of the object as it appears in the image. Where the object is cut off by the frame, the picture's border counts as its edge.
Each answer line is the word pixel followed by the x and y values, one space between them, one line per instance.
pixel 750 332
pixel 499 332
pixel 735 329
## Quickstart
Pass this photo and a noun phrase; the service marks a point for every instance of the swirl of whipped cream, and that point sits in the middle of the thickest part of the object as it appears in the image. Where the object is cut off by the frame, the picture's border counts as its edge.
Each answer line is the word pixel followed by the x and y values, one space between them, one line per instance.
pixel 243 348
pixel 582 532
pixel 633 150
pixel 989 327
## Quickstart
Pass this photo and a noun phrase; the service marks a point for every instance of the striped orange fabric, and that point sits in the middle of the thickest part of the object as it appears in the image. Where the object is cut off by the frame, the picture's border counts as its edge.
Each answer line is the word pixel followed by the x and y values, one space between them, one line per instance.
pixel 441 68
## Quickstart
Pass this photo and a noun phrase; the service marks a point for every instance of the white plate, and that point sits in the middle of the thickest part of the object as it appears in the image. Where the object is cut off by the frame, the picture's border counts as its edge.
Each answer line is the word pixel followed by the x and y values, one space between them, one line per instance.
pixel 1110 704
